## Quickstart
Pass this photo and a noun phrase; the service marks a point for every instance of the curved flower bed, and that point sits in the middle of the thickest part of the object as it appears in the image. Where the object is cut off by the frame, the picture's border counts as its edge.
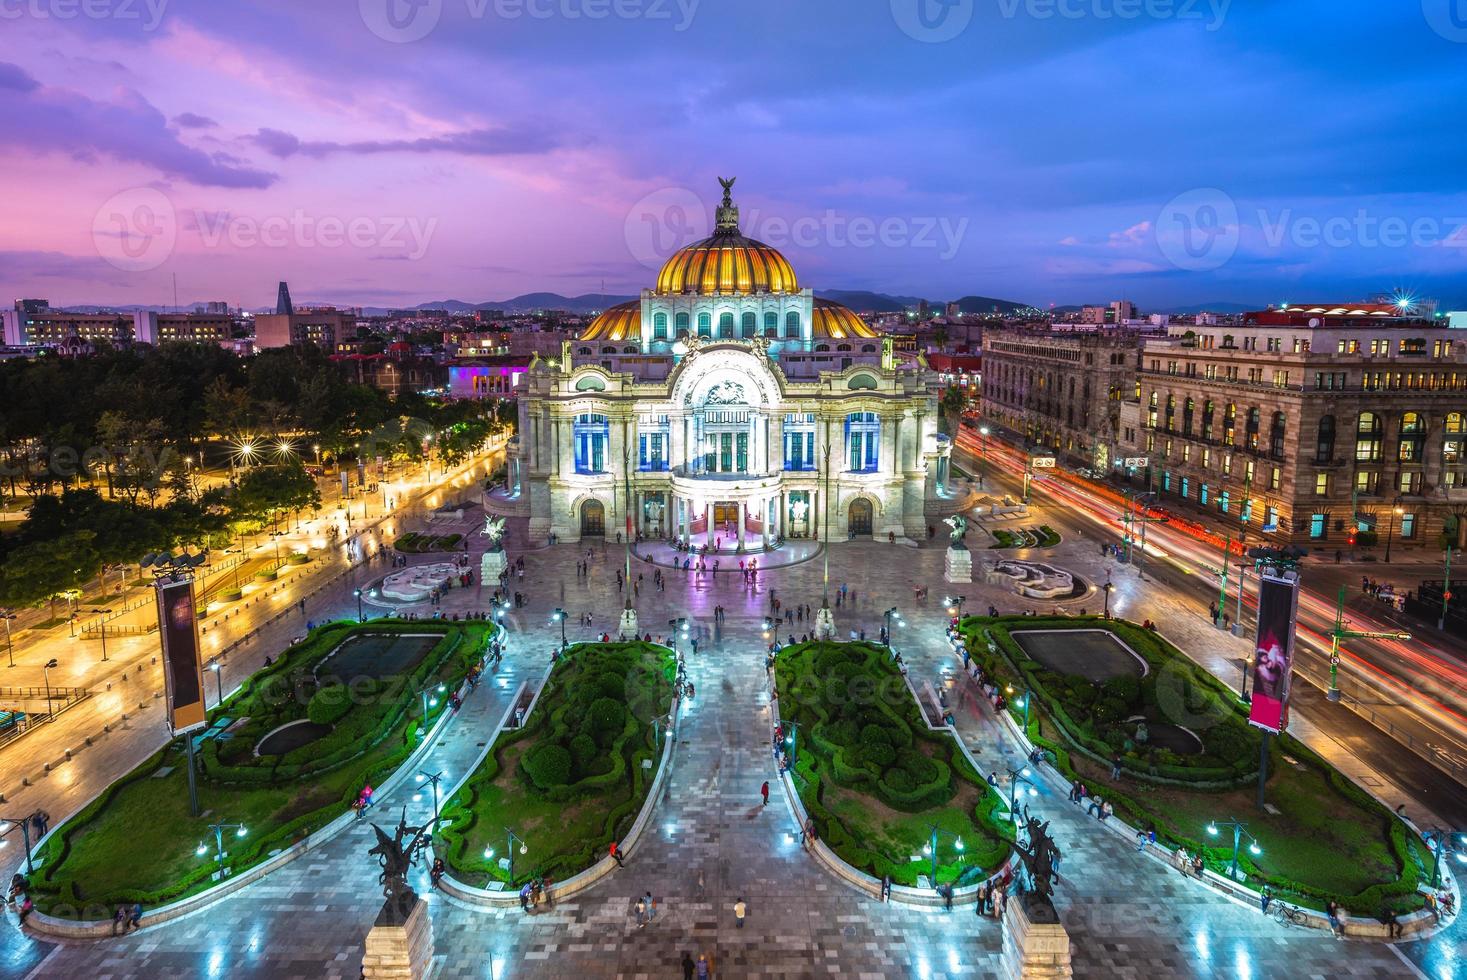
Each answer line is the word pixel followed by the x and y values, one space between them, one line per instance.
pixel 137 841
pixel 571 779
pixel 874 777
pixel 1329 839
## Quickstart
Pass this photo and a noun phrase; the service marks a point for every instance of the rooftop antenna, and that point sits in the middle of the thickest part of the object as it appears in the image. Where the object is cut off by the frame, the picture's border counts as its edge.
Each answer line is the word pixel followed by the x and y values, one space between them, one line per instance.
pixel 175 292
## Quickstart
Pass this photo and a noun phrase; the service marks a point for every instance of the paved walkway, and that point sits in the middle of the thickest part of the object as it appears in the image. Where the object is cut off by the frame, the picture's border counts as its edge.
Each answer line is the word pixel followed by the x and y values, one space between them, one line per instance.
pixel 712 842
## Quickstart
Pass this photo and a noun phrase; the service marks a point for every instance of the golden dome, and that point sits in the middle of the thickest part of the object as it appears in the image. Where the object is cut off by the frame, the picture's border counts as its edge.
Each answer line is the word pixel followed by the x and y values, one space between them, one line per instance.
pixel 830 319
pixel 620 322
pixel 727 262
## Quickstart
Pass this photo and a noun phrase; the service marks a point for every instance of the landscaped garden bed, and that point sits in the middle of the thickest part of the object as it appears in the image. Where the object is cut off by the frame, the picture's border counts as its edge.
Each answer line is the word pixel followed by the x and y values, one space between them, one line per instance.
pixel 875 778
pixel 1102 688
pixel 1042 536
pixel 288 753
pixel 415 542
pixel 571 780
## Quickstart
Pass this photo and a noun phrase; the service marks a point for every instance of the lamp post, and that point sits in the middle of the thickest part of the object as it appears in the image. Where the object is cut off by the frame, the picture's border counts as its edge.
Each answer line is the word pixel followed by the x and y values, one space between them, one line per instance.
pixel 955 605
pixel 218 668
pixel 558 616
pixel 892 612
pixel 1339 633
pixel 1441 621
pixel 825 618
pixel 930 848
pixel 24 823
pixel 793 742
pixel 360 617
pixel 1239 832
pixel 1027 694
pixel 9 650
pixel 509 850
pixel 982 454
pixel 46 679
pixel 1437 838
pixel 1106 589
pixel 1017 777
pixel 429 702
pixel 1396 510
pixel 218 829
pixel 432 778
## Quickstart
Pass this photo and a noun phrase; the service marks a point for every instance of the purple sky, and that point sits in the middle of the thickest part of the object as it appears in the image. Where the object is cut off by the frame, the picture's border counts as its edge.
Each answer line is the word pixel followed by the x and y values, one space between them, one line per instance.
pixel 390 152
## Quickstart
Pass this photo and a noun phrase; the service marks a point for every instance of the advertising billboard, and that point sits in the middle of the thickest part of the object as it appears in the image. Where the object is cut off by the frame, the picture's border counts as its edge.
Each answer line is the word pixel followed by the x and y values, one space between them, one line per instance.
pixel 183 671
pixel 1273 655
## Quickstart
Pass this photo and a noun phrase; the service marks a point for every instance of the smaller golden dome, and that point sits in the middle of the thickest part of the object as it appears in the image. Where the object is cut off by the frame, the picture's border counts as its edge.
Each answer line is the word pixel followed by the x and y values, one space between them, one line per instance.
pixel 830 319
pixel 620 322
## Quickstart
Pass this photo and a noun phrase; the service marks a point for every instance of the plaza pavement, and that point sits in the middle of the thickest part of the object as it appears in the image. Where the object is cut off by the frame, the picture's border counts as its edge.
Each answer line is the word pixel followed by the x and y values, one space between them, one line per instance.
pixel 713 842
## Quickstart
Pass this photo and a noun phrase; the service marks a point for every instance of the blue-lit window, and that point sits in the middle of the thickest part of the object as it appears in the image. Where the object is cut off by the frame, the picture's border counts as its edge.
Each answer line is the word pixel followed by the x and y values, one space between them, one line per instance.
pixel 1408 526
pixel 682 325
pixel 591 433
pixel 771 324
pixel 1247 514
pixel 863 442
pixel 799 441
pixel 792 324
pixel 1186 487
pixel 705 324
pixel 725 325
pixel 1166 481
pixel 659 326
pixel 1202 495
pixel 1224 501
pixel 653 442
pixel 1316 526
pixel 749 326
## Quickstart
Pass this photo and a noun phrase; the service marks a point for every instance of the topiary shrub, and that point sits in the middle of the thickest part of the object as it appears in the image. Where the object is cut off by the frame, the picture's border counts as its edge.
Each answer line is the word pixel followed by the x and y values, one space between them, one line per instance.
pixel 606 718
pixel 329 705
pixel 877 755
pixel 583 750
pixel 548 765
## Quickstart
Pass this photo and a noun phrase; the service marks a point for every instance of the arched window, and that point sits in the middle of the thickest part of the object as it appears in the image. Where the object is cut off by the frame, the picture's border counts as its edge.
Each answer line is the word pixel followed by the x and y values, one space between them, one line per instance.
pixel 1171 413
pixel 1368 432
pixel 822 347
pixel 1230 424
pixel 842 346
pixel 1324 447
pixel 705 324
pixel 1276 436
pixel 591 434
pixel 682 325
pixel 1207 414
pixel 725 325
pixel 863 442
pixel 749 325
pixel 868 348
pixel 584 350
pixel 1187 409
pixel 630 350
pixel 1452 442
pixel 1413 437
pixel 771 324
pixel 792 324
pixel 659 326
pixel 608 349
pixel 1255 418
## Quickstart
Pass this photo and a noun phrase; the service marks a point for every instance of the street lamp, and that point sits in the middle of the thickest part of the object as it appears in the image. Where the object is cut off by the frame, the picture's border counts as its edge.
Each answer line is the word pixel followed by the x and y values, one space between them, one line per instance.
pixel 930 849
pixel 218 668
pixel 360 617
pixel 1106 589
pixel 1391 527
pixel 1017 777
pixel 1438 839
pixel 219 828
pixel 983 454
pixel 429 702
pixel 433 779
pixel 46 679
pixel 792 742
pixel 558 616
pixel 888 617
pixel 24 823
pixel 1339 633
pixel 9 650
pixel 1239 832
pixel 955 604
pixel 509 851
pixel 1024 703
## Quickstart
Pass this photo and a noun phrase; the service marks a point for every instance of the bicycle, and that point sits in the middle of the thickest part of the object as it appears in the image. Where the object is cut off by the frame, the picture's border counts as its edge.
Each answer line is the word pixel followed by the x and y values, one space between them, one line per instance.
pixel 1288 915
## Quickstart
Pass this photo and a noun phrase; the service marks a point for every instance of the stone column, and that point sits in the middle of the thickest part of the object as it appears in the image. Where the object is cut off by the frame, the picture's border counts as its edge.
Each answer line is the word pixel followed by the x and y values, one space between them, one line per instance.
pixel 708 513
pixel 767 525
pixel 742 519
pixel 399 946
pixel 1033 948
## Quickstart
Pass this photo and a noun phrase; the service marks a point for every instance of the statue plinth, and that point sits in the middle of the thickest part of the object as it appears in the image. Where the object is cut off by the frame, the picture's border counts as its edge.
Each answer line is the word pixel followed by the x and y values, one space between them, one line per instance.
pixel 628 628
pixel 1035 945
pixel 491 565
pixel 400 943
pixel 824 623
pixel 958 568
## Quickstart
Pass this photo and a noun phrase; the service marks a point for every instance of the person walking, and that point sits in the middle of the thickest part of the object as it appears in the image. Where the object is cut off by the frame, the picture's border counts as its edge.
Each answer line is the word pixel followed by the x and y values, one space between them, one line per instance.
pixel 616 855
pixel 641 913
pixel 1332 912
pixel 1265 896
pixel 764 792
pixel 702 966
pixel 740 910
pixel 651 906
pixel 688 965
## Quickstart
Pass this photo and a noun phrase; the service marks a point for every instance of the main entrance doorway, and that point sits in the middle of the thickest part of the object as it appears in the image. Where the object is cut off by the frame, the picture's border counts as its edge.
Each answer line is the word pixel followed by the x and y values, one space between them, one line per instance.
pixel 860 517
pixel 593 519
pixel 725 513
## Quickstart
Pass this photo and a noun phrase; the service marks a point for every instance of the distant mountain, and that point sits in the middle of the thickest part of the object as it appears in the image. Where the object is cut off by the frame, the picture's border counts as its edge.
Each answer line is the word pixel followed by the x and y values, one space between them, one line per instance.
pixel 865 301
pixel 987 304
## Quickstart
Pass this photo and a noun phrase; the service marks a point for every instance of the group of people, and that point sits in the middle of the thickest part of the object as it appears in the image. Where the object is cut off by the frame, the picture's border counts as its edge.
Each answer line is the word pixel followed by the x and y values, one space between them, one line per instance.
pixel 19 897
pixel 533 892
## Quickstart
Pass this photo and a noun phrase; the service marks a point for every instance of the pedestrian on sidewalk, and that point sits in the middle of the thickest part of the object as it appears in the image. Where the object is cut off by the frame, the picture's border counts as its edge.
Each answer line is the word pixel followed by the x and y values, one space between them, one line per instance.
pixel 702 966
pixel 740 910
pixel 641 913
pixel 688 965
pixel 1264 897
pixel 651 906
pixel 616 855
pixel 764 792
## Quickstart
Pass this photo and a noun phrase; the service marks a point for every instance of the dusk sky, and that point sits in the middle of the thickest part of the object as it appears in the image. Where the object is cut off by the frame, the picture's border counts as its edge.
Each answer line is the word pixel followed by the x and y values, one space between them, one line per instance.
pixel 392 152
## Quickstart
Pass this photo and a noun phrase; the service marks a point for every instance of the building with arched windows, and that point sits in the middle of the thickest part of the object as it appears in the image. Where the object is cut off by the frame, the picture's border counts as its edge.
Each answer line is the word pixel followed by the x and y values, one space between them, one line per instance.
pixel 709 409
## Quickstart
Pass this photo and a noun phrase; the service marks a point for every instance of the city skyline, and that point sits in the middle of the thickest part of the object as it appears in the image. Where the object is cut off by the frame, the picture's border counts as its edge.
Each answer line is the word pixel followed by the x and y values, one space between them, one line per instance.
pixel 1172 154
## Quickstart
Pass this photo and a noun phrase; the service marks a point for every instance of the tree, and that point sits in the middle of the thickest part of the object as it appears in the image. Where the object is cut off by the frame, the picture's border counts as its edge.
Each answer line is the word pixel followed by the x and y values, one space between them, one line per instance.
pixel 43 570
pixel 265 491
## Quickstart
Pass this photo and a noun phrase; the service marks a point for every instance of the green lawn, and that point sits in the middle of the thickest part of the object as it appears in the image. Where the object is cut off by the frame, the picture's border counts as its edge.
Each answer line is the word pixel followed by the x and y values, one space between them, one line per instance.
pixel 571 780
pixel 137 841
pixel 415 542
pixel 873 776
pixel 1329 838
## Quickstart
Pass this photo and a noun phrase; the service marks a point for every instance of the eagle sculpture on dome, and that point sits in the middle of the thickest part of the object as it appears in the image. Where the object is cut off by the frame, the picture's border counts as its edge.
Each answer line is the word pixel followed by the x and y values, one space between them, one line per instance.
pixel 728 213
pixel 727 184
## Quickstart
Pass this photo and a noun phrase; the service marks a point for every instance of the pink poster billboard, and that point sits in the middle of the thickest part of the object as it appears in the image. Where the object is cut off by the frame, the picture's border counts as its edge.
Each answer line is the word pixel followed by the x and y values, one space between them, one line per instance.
pixel 1273 655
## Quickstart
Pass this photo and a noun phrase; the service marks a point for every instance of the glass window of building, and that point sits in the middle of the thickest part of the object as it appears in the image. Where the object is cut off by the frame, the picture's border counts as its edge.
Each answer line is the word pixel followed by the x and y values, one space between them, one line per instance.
pixel 591 434
pixel 863 442
pixel 682 325
pixel 659 326
pixel 749 325
pixel 726 325
pixel 792 324
pixel 799 441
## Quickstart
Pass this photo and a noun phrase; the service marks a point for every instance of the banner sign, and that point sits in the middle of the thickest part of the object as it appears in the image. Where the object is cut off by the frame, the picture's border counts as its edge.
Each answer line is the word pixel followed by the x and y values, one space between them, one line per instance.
pixel 1136 462
pixel 183 671
pixel 1042 462
pixel 1273 657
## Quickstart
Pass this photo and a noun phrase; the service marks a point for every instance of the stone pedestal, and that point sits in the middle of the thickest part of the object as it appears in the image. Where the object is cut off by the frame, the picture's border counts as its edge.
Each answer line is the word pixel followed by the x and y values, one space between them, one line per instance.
pixel 490 566
pixel 824 623
pixel 1035 945
pixel 959 566
pixel 628 628
pixel 400 944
